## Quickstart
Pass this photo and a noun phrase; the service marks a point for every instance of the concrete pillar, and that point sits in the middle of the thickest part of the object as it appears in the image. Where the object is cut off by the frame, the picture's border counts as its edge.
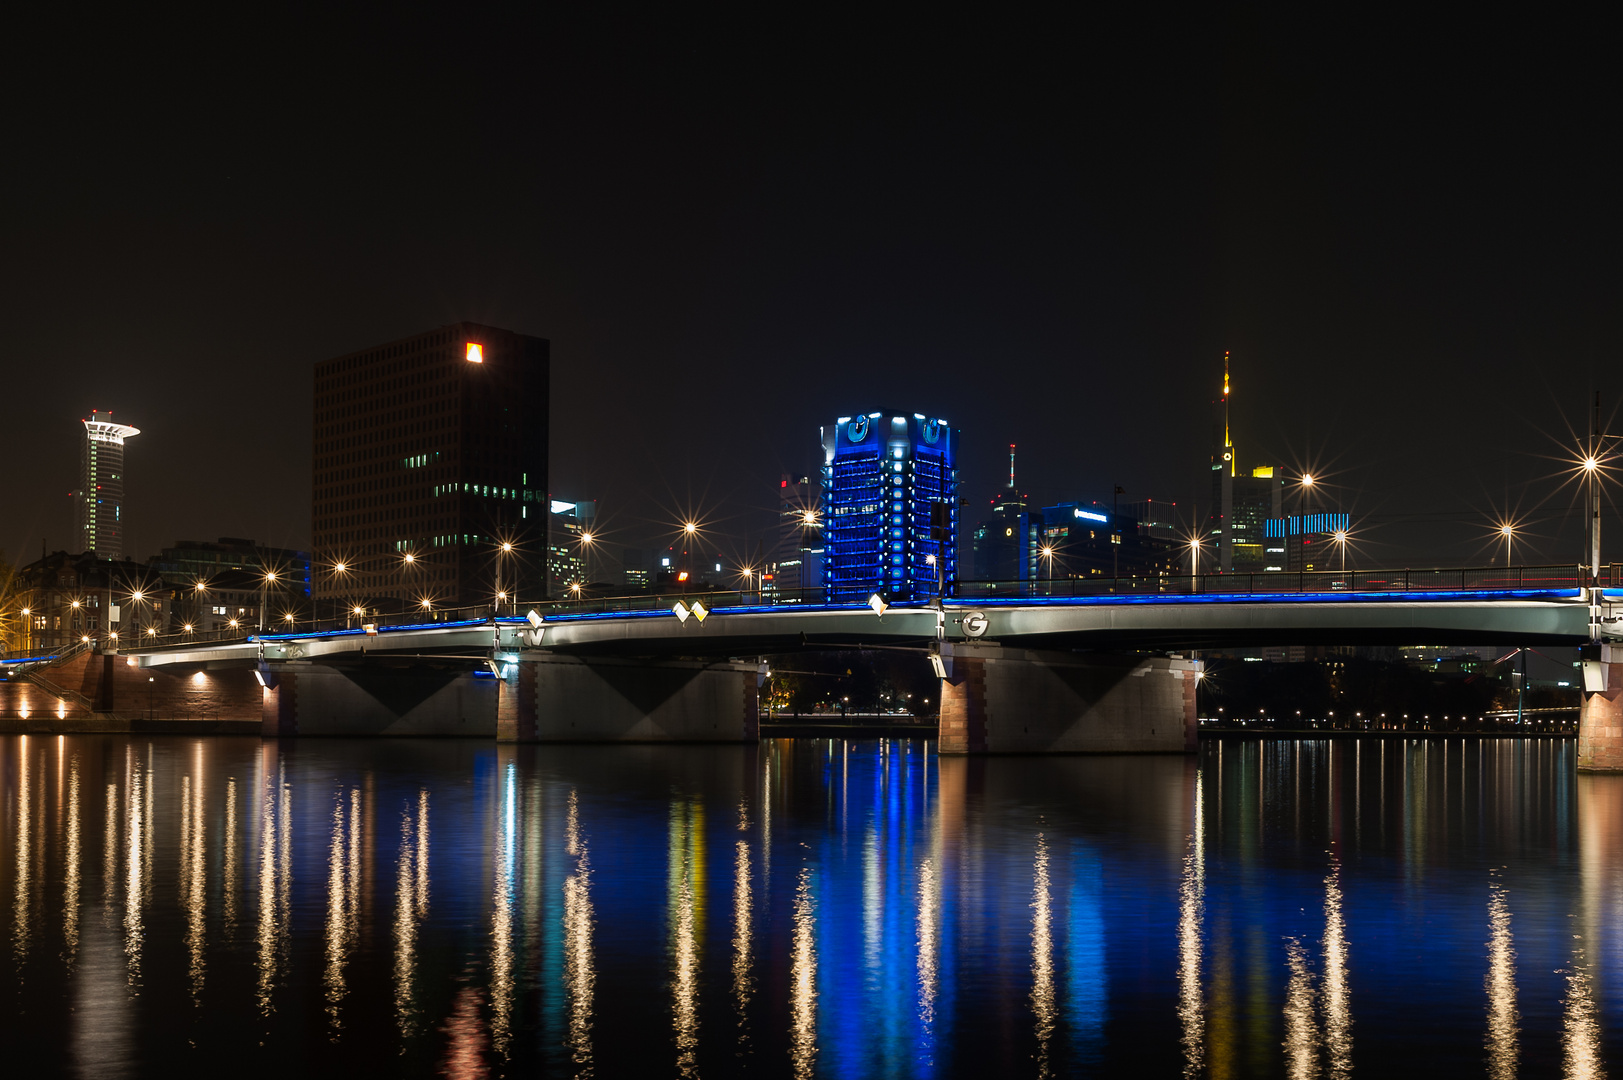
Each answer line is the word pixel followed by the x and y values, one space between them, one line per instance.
pixel 555 698
pixel 1600 717
pixel 516 718
pixel 1002 700
pixel 279 715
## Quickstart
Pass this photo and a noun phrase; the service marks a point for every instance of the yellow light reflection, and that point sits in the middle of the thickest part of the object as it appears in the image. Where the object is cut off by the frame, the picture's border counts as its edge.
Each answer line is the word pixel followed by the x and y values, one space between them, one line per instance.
pixel 136 867
pixel 685 893
pixel 23 884
pixel 1337 1004
pixel 1580 1027
pixel 501 943
pixel 1191 909
pixel 109 848
pixel 743 912
pixel 803 982
pixel 343 901
pixel 70 897
pixel 193 895
pixel 228 877
pixel 579 974
pixel 929 941
pixel 410 907
pixel 1042 957
pixel 1504 1020
pixel 275 879
pixel 1301 1027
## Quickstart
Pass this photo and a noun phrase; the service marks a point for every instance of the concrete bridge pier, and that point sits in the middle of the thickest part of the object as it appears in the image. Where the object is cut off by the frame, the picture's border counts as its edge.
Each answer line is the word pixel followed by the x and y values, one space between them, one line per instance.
pixel 1600 717
pixel 546 697
pixel 998 700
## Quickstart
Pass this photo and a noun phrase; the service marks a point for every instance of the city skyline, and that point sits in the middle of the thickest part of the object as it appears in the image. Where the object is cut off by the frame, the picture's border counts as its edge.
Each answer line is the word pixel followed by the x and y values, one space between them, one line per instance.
pixel 1412 312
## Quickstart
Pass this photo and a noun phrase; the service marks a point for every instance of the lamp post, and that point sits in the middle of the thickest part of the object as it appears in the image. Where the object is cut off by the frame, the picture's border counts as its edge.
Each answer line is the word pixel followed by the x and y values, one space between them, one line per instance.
pixel 1194 564
pixel 502 553
pixel 28 627
pixel 1047 553
pixel 1304 491
pixel 1340 537
pixel 265 583
pixel 407 561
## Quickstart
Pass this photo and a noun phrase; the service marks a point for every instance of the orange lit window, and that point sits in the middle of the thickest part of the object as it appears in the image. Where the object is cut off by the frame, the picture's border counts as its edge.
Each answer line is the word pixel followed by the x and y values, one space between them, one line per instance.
pixel 476 353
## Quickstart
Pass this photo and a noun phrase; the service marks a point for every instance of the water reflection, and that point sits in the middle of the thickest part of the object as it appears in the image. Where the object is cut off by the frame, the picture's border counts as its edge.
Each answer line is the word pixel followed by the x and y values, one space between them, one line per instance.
pixel 1337 1004
pixel 275 879
pixel 193 895
pixel 976 917
pixel 580 975
pixel 685 892
pixel 743 918
pixel 1191 900
pixel 803 981
pixel 70 890
pixel 137 862
pixel 343 899
pixel 501 940
pixel 411 907
pixel 1503 1019
pixel 23 876
pixel 1301 1026
pixel 1042 957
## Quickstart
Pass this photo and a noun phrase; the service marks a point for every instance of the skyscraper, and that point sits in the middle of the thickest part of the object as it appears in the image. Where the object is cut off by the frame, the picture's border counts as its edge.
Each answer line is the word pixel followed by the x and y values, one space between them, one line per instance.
pixel 1241 505
pixel 99 502
pixel 430 456
pixel 884 475
pixel 1005 546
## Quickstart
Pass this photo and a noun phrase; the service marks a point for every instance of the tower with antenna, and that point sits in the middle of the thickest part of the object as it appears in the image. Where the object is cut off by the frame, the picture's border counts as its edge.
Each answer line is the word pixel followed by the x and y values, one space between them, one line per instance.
pixel 99 502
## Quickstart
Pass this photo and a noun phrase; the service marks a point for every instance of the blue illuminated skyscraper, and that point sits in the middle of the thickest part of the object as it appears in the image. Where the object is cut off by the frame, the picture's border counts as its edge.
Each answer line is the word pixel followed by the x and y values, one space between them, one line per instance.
pixel 883 476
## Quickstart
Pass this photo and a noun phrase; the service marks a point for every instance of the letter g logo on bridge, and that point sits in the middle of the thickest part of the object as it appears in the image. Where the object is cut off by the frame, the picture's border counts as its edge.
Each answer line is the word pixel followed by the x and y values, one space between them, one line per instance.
pixel 974 623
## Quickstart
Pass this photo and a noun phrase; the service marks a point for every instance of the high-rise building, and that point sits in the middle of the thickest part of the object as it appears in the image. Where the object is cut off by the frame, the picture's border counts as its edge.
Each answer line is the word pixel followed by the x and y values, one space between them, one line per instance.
pixel 569 546
pixel 1004 547
pixel 796 538
pixel 430 456
pixel 1306 542
pixel 99 502
pixel 890 507
pixel 1241 505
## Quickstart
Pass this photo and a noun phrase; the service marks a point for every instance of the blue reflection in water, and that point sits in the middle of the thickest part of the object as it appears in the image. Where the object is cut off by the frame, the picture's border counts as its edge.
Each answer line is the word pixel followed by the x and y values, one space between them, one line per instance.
pixel 810 908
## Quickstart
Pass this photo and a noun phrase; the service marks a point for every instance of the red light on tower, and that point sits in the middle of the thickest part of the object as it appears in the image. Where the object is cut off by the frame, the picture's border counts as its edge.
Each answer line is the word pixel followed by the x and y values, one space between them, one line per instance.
pixel 476 353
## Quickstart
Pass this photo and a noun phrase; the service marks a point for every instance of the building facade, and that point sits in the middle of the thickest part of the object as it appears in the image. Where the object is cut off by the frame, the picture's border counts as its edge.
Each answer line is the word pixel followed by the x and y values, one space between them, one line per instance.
pixel 99 502
pixel 430 470
pixel 1307 542
pixel 890 507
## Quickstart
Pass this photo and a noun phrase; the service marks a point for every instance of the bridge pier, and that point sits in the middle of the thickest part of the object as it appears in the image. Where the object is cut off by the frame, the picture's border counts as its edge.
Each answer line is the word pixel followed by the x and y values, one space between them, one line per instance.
pixel 998 700
pixel 1600 717
pixel 547 697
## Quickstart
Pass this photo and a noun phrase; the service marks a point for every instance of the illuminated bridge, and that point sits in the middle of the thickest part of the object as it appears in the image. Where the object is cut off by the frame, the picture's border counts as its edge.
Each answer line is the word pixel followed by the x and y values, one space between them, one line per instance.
pixel 1019 672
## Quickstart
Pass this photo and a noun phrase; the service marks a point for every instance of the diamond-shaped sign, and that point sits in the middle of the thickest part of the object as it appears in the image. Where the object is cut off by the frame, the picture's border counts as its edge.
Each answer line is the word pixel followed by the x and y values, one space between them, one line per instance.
pixel 878 604
pixel 699 611
pixel 681 611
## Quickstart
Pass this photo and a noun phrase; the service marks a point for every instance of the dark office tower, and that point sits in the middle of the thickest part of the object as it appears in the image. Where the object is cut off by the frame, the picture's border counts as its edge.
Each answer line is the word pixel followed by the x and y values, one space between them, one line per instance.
pixel 884 474
pixel 430 455
pixel 1223 468
pixel 1005 546
pixel 99 502
pixel 1241 504
pixel 795 538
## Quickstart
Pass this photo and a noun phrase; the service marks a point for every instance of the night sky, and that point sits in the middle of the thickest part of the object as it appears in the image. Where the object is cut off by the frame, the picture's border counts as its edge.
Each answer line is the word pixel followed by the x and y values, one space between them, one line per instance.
pixel 734 227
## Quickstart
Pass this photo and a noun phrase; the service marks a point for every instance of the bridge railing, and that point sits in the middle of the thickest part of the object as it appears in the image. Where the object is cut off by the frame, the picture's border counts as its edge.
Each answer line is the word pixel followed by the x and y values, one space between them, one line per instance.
pixel 1426 580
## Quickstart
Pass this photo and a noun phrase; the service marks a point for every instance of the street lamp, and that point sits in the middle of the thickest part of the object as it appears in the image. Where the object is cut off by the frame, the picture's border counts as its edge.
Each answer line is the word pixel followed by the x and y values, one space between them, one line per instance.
pixel 264 589
pixel 1340 537
pixel 1194 563
pixel 28 626
pixel 1047 552
pixel 1508 531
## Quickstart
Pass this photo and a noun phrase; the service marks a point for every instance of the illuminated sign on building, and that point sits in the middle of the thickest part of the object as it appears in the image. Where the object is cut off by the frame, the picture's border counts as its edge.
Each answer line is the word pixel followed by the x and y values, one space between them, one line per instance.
pixel 1091 516
pixel 476 353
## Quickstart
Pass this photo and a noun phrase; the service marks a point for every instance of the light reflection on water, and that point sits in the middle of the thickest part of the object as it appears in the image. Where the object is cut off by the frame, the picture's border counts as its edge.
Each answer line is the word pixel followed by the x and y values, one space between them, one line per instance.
pixel 1242 912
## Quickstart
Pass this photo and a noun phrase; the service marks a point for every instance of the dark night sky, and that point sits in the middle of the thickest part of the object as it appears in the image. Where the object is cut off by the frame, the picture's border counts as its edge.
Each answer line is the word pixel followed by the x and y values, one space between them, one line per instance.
pixel 732 231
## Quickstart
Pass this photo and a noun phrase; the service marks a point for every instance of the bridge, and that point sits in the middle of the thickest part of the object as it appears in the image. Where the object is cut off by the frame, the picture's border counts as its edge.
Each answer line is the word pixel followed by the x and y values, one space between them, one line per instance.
pixel 1021 670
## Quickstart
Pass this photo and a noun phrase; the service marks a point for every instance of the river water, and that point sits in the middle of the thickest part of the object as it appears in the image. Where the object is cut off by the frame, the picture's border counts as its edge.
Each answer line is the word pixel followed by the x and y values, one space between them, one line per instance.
pixel 809 908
